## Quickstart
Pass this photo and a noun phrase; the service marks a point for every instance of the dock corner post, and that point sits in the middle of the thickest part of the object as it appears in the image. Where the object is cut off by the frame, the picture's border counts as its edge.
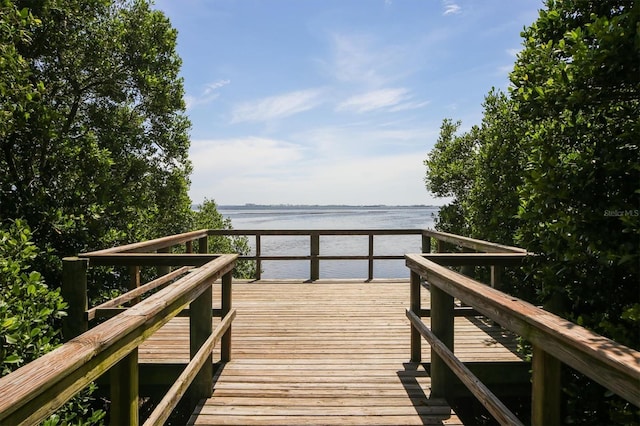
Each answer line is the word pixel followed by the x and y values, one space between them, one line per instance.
pixel 416 308
pixel 315 252
pixel 124 390
pixel 546 391
pixel 74 292
pixel 200 328
pixel 225 342
pixel 442 316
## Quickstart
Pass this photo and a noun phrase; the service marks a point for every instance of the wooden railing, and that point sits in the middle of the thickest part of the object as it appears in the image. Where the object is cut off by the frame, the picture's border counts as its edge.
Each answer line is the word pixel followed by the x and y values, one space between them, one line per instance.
pixel 33 392
pixel 554 339
pixel 429 239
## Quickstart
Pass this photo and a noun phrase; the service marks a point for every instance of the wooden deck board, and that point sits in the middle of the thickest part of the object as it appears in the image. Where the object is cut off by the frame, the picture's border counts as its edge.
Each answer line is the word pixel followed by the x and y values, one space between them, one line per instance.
pixel 325 353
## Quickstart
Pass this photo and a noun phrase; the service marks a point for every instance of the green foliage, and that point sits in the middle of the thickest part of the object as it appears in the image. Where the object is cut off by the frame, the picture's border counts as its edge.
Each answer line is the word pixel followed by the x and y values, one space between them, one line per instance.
pixel 30 314
pixel 207 217
pixel 29 310
pixel 463 166
pixel 554 168
pixel 101 156
pixel 577 84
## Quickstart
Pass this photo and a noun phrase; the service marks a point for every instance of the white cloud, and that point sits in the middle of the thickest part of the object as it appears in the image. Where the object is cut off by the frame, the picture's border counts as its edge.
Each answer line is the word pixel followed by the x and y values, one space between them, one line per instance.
pixel 451 8
pixel 393 100
pixel 276 107
pixel 208 94
pixel 362 59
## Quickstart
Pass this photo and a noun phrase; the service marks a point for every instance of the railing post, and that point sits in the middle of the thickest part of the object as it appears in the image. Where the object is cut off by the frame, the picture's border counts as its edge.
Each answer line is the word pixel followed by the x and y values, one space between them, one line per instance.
pixel 442 326
pixel 203 244
pixel 134 282
pixel 188 247
pixel 440 248
pixel 426 244
pixel 163 270
pixel 467 270
pixel 258 260
pixel 315 251
pixel 416 307
pixel 200 328
pixel 124 391
pixel 496 276
pixel 546 388
pixel 370 257
pixel 225 342
pixel 74 292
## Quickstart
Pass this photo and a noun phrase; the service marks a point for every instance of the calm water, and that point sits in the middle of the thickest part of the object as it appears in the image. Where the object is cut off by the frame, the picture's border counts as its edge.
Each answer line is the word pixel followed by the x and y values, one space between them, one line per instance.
pixel 257 217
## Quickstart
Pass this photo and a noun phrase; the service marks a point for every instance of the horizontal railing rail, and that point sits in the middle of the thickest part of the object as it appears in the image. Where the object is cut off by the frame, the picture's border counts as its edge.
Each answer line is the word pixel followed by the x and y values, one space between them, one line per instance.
pixel 34 391
pixel 429 239
pixel 554 339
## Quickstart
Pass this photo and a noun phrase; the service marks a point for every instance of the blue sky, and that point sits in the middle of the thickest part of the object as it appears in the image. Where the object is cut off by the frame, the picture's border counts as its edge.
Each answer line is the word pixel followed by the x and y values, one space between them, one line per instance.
pixel 334 101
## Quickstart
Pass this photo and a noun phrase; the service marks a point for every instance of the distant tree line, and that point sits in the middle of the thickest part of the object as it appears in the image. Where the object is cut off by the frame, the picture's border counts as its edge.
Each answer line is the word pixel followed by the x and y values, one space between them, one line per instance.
pixel 93 154
pixel 554 167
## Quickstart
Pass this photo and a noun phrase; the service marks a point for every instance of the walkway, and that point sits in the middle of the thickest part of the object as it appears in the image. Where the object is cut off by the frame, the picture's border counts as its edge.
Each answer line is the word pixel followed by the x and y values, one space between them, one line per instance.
pixel 326 353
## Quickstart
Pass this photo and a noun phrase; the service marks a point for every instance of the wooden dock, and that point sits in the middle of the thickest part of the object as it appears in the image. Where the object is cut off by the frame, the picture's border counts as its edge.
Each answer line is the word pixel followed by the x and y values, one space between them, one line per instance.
pixel 325 353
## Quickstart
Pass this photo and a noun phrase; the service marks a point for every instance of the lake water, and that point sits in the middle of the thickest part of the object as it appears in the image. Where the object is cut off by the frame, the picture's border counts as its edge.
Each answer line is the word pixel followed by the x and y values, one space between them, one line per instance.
pixel 340 217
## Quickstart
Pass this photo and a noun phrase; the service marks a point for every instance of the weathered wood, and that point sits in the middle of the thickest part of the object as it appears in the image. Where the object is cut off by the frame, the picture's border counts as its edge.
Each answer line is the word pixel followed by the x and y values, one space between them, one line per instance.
pixel 134 282
pixel 35 390
pixel 476 259
pixel 200 327
pixel 257 258
pixel 74 292
pixel 225 352
pixel 442 325
pixel 496 276
pixel 188 246
pixel 164 269
pixel 314 272
pixel 370 263
pixel 151 285
pixel 480 391
pixel 611 364
pixel 327 352
pixel 203 244
pixel 416 307
pixel 151 259
pixel 546 389
pixel 151 245
pixel 196 366
pixel 471 243
pixel 124 391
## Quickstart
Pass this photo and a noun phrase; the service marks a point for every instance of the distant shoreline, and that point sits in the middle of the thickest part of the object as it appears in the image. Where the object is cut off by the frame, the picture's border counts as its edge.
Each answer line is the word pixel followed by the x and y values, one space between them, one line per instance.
pixel 307 206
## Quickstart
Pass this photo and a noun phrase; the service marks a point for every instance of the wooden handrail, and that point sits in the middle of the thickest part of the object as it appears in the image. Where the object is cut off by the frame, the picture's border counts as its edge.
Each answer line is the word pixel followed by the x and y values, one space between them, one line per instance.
pixel 471 243
pixel 36 390
pixel 152 245
pixel 613 365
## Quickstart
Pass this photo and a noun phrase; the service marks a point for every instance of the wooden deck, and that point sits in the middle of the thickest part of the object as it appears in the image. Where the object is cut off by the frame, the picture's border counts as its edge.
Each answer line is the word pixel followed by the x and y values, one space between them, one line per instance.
pixel 325 353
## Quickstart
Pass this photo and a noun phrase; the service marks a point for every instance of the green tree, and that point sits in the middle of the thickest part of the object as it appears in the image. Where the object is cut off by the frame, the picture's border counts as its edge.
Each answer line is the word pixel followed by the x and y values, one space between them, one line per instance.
pixel 577 84
pixel 101 155
pixel 450 167
pixel 207 216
